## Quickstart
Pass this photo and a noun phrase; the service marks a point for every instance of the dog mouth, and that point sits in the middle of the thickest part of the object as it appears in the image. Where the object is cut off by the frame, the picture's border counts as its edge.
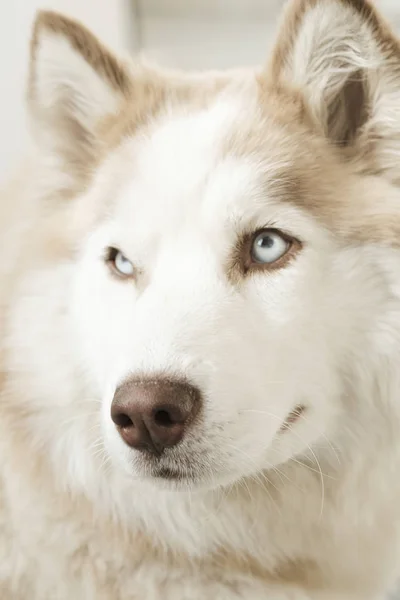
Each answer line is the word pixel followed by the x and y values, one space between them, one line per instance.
pixel 168 474
pixel 184 475
pixel 175 471
pixel 174 479
pixel 292 418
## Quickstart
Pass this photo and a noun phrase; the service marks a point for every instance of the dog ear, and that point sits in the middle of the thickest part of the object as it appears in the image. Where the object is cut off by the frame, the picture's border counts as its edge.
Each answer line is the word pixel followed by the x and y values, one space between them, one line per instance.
pixel 345 62
pixel 74 84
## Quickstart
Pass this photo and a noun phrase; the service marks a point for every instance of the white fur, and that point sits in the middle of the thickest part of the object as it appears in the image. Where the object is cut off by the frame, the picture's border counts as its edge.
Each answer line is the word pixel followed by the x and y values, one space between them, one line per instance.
pixel 322 332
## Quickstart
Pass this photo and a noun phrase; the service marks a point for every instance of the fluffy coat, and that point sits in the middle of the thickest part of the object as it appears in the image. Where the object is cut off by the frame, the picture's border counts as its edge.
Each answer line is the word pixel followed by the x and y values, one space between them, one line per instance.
pixel 176 169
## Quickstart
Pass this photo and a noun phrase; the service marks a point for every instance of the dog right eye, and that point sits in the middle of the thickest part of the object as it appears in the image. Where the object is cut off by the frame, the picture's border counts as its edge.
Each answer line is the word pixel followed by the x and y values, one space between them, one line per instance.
pixel 119 264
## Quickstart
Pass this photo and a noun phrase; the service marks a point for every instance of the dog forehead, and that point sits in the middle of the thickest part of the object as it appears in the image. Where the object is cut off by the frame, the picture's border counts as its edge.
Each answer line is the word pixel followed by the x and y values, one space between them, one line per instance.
pixel 200 165
pixel 183 151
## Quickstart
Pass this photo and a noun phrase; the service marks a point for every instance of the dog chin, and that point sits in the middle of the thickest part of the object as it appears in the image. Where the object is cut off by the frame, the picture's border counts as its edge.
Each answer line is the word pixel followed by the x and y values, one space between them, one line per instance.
pixel 178 478
pixel 175 480
pixel 174 476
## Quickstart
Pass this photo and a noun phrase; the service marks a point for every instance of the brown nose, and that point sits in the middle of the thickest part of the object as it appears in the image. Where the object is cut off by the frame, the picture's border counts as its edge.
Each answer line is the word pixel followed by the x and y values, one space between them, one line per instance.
pixel 153 414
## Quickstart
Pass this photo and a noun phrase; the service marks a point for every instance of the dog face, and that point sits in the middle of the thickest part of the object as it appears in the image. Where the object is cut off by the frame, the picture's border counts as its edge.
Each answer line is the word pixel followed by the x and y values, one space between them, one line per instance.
pixel 202 272
pixel 217 296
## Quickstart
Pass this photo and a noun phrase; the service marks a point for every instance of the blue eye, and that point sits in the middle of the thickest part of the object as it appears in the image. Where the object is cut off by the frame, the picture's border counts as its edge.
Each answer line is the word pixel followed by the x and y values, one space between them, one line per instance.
pixel 121 265
pixel 269 246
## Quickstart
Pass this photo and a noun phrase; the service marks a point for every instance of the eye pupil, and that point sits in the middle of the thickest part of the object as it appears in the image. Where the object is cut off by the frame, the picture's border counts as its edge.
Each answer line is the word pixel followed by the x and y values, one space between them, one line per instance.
pixel 265 242
pixel 269 246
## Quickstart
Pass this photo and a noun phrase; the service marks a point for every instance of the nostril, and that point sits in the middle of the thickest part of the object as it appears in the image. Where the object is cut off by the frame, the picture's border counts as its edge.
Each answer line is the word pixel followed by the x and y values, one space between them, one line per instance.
pixel 123 421
pixel 163 418
pixel 152 415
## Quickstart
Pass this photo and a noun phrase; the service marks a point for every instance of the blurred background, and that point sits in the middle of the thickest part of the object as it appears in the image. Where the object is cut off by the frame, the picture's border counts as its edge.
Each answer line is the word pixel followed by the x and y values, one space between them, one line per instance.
pixel 183 33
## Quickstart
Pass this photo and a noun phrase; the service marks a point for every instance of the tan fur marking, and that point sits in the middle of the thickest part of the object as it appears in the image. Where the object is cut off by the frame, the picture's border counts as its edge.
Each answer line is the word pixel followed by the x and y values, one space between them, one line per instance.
pixel 84 42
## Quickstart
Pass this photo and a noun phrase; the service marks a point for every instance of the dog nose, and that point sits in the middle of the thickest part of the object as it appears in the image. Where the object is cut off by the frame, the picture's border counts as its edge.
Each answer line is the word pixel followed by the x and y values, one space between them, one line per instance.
pixel 152 415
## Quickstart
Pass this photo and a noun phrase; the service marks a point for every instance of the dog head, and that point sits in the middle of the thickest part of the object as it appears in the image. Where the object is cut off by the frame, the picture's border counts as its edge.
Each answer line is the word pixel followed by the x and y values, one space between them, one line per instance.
pixel 222 278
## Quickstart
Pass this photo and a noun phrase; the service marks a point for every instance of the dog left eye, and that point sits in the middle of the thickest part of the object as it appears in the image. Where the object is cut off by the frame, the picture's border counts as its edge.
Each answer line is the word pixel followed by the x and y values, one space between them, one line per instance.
pixel 119 264
pixel 269 246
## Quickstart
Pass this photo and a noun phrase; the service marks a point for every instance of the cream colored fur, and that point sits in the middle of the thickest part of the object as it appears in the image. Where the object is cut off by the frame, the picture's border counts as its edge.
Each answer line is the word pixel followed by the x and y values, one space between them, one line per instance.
pixel 174 168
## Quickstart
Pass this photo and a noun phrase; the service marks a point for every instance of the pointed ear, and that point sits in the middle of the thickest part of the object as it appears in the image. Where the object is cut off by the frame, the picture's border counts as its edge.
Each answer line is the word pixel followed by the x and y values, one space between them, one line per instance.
pixel 345 61
pixel 74 83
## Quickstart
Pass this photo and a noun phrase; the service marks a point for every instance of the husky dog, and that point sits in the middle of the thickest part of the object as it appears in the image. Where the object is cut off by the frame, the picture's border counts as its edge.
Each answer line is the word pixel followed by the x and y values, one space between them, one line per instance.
pixel 200 322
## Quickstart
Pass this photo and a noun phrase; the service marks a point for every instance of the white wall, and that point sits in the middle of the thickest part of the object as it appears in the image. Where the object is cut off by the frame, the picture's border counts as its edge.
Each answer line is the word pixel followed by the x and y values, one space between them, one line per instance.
pixel 110 19
pixel 217 33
